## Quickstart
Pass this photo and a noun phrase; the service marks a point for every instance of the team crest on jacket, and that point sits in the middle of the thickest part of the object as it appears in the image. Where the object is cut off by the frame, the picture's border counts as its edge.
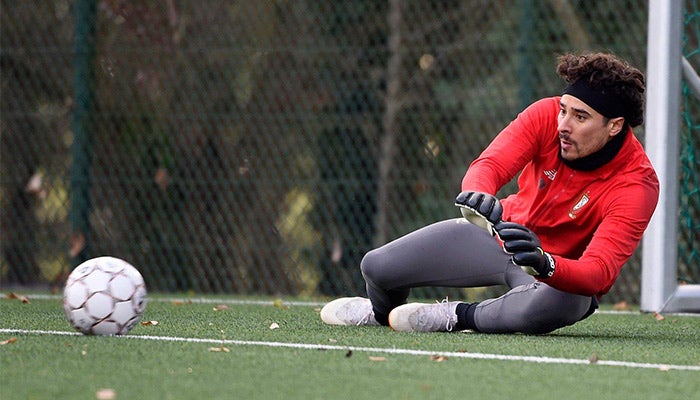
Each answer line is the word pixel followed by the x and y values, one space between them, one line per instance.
pixel 582 201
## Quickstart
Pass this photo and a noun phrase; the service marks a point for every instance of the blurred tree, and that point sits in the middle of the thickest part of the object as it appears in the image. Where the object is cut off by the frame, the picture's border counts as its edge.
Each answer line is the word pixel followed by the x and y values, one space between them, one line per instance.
pixel 19 223
pixel 346 153
pixel 209 212
pixel 265 146
pixel 34 89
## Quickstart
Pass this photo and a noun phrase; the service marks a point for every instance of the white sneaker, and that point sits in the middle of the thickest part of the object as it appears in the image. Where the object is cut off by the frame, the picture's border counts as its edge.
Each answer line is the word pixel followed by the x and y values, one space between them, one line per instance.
pixel 418 317
pixel 349 311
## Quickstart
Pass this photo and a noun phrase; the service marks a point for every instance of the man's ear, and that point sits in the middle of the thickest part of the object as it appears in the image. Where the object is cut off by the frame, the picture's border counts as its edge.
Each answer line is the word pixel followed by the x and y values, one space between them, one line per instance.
pixel 615 125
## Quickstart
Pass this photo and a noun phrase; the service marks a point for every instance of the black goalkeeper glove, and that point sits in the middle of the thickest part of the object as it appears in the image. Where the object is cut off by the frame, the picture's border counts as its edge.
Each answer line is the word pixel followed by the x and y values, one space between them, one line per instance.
pixel 526 249
pixel 480 208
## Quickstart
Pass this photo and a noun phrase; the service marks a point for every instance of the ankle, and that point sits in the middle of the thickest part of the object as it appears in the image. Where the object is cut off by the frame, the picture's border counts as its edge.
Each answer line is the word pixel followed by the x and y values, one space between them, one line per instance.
pixel 383 319
pixel 465 316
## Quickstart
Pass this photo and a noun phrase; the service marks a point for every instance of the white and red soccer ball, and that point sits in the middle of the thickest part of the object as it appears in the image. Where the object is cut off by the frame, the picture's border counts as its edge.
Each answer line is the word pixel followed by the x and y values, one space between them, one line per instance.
pixel 104 296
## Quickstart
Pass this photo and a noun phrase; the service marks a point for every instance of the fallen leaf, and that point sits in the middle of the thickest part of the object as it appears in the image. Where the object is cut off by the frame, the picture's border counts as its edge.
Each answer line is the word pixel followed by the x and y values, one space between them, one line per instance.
pixel 438 358
pixel 659 317
pixel 106 394
pixel 333 340
pixel 221 307
pixel 274 325
pixel 373 358
pixel 593 359
pixel 221 349
pixel 8 341
pixel 278 303
pixel 23 299
pixel 149 323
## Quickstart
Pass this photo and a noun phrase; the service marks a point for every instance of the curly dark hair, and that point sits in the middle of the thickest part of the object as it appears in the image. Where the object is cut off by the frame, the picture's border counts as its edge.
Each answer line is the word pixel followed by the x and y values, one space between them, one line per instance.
pixel 609 72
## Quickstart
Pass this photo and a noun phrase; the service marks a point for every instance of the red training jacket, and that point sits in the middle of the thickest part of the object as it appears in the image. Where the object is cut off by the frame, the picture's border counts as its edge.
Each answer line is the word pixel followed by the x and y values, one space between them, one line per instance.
pixel 590 221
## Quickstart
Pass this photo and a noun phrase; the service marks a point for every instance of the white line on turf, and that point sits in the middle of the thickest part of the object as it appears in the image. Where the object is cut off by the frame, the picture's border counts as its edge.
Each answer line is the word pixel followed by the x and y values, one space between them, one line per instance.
pixel 308 346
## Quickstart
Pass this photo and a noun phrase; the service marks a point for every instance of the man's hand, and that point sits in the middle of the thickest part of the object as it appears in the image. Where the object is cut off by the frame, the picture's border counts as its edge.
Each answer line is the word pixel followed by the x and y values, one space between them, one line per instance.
pixel 486 208
pixel 526 249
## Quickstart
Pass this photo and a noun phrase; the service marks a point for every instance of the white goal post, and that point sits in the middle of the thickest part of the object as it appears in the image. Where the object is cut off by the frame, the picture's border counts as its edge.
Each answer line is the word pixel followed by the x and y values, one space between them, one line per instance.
pixel 660 291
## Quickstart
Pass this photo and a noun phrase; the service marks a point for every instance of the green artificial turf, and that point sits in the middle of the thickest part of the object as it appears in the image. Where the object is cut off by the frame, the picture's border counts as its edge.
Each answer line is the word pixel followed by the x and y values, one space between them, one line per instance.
pixel 203 350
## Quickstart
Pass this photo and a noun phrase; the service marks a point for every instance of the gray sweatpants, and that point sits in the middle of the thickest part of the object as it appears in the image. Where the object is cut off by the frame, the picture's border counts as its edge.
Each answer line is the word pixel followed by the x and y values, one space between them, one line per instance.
pixel 455 253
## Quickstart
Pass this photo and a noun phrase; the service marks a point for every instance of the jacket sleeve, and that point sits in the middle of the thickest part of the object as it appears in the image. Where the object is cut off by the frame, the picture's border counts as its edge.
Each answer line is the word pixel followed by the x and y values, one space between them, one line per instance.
pixel 513 148
pixel 613 243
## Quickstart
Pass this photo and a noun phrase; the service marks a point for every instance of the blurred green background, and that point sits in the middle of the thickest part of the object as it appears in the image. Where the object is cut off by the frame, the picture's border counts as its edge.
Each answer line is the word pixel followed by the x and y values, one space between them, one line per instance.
pixel 262 147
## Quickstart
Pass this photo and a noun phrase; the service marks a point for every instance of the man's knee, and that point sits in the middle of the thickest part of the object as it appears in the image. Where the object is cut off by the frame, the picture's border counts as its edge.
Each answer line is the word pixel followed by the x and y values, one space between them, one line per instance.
pixel 374 268
pixel 368 265
pixel 552 309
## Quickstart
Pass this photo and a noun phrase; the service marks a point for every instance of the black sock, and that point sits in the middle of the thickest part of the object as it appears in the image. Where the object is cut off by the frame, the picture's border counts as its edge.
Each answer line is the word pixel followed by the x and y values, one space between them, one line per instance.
pixel 383 319
pixel 465 316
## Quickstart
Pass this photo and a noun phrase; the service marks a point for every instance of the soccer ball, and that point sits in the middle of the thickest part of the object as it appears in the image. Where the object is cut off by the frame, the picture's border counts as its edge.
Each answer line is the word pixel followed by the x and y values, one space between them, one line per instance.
pixel 104 296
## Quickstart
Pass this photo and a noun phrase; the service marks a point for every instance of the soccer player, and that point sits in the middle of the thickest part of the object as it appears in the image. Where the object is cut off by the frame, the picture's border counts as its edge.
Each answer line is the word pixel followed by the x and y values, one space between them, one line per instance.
pixel 586 192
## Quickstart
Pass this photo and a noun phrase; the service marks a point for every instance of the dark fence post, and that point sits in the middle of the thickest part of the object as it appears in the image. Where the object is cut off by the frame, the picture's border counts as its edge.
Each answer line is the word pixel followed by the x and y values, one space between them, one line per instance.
pixel 526 65
pixel 84 97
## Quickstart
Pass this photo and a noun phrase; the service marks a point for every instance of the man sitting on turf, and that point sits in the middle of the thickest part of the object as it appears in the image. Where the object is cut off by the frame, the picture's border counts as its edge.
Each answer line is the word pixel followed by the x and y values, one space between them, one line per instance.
pixel 586 193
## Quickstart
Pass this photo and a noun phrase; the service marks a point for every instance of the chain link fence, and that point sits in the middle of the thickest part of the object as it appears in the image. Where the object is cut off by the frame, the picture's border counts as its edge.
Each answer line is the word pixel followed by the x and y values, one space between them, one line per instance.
pixel 262 147
pixel 689 165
